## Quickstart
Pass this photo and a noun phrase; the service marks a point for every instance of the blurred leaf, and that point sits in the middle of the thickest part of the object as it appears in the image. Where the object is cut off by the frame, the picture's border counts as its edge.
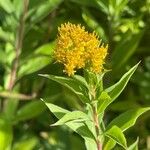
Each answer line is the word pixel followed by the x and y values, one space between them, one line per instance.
pixel 26 144
pixel 125 49
pixel 142 79
pixel 44 9
pixel 18 7
pixel 92 23
pixel 116 134
pixel 78 88
pixel 103 5
pixel 2 56
pixel 147 62
pixel 6 36
pixel 6 134
pixel 10 108
pixel 127 104
pixel 115 90
pixel 127 119
pixel 85 2
pixel 41 57
pixel 7 5
pixel 71 116
pixel 30 110
pixel 134 146
pixel 116 7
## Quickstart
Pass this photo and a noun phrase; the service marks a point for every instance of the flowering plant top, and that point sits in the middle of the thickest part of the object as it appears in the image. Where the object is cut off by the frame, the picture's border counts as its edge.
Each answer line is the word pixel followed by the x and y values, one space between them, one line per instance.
pixel 76 48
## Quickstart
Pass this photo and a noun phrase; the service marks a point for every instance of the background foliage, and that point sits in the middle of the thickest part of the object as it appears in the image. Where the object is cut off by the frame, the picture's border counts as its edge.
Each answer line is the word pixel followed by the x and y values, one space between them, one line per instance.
pixel 28 30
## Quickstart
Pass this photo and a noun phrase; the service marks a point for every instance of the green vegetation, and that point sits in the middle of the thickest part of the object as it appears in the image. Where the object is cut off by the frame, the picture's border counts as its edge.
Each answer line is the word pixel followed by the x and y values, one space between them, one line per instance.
pixel 28 30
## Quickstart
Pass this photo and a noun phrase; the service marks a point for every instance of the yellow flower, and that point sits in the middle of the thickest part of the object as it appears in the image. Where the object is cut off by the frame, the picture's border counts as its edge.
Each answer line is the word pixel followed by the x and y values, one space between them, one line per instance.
pixel 76 48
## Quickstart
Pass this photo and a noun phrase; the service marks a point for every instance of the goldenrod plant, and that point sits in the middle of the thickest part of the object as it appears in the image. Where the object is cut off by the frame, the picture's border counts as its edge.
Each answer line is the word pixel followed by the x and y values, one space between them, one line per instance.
pixel 78 49
pixel 29 46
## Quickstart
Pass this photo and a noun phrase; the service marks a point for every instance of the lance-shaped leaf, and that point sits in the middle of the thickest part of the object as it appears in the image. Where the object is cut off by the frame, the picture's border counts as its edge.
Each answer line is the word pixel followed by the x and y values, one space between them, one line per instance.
pixel 77 87
pixel 78 127
pixel 56 110
pixel 37 60
pixel 72 116
pixel 127 119
pixel 116 134
pixel 115 90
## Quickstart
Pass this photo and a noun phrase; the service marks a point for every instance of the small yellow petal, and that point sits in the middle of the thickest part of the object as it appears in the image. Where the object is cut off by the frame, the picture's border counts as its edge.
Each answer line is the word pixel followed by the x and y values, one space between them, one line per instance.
pixel 76 48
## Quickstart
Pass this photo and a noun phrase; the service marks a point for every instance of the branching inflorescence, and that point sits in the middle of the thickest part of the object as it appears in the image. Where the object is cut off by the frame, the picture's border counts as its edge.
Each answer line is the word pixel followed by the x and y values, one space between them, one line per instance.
pixel 77 48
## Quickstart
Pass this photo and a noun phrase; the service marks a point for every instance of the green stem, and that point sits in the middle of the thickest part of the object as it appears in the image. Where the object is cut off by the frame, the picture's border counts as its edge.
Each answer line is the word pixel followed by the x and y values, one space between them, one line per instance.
pixel 18 46
pixel 97 128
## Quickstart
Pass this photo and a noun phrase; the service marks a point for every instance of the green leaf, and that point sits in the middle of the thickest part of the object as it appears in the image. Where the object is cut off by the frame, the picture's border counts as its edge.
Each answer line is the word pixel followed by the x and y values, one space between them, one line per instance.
pixel 127 119
pixel 80 128
pixel 81 80
pixel 2 56
pixel 92 23
pixel 44 9
pixel 30 110
pixel 90 144
pixel 116 7
pixel 6 36
pixel 109 145
pixel 7 5
pixel 56 110
pixel 103 6
pixel 125 49
pixel 103 101
pixel 116 134
pixel 18 7
pixel 71 116
pixel 77 87
pixel 5 134
pixel 41 57
pixel 115 90
pixel 134 146
pixel 127 104
pixel 26 144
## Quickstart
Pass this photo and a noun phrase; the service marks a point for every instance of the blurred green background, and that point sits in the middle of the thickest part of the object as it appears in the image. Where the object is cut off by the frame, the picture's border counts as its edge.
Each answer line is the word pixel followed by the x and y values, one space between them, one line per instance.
pixel 28 29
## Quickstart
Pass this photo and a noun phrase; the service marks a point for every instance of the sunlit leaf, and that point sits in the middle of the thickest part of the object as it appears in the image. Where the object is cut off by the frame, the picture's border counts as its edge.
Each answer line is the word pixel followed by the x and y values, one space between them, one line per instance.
pixel 115 90
pixel 127 119
pixel 79 127
pixel 41 57
pixel 116 134
pixel 79 89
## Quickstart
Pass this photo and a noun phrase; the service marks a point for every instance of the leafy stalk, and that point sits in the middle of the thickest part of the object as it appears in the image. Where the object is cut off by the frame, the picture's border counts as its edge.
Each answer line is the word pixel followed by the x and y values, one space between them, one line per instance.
pixel 18 46
pixel 95 116
pixel 97 128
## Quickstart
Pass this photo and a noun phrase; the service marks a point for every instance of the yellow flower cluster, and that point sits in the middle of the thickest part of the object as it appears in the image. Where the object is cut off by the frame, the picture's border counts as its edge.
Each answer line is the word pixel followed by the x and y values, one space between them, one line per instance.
pixel 76 48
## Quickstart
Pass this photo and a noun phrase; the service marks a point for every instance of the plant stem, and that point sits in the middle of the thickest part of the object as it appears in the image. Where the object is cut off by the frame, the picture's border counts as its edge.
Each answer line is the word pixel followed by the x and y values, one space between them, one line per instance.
pixel 12 95
pixel 96 123
pixel 18 46
pixel 95 118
